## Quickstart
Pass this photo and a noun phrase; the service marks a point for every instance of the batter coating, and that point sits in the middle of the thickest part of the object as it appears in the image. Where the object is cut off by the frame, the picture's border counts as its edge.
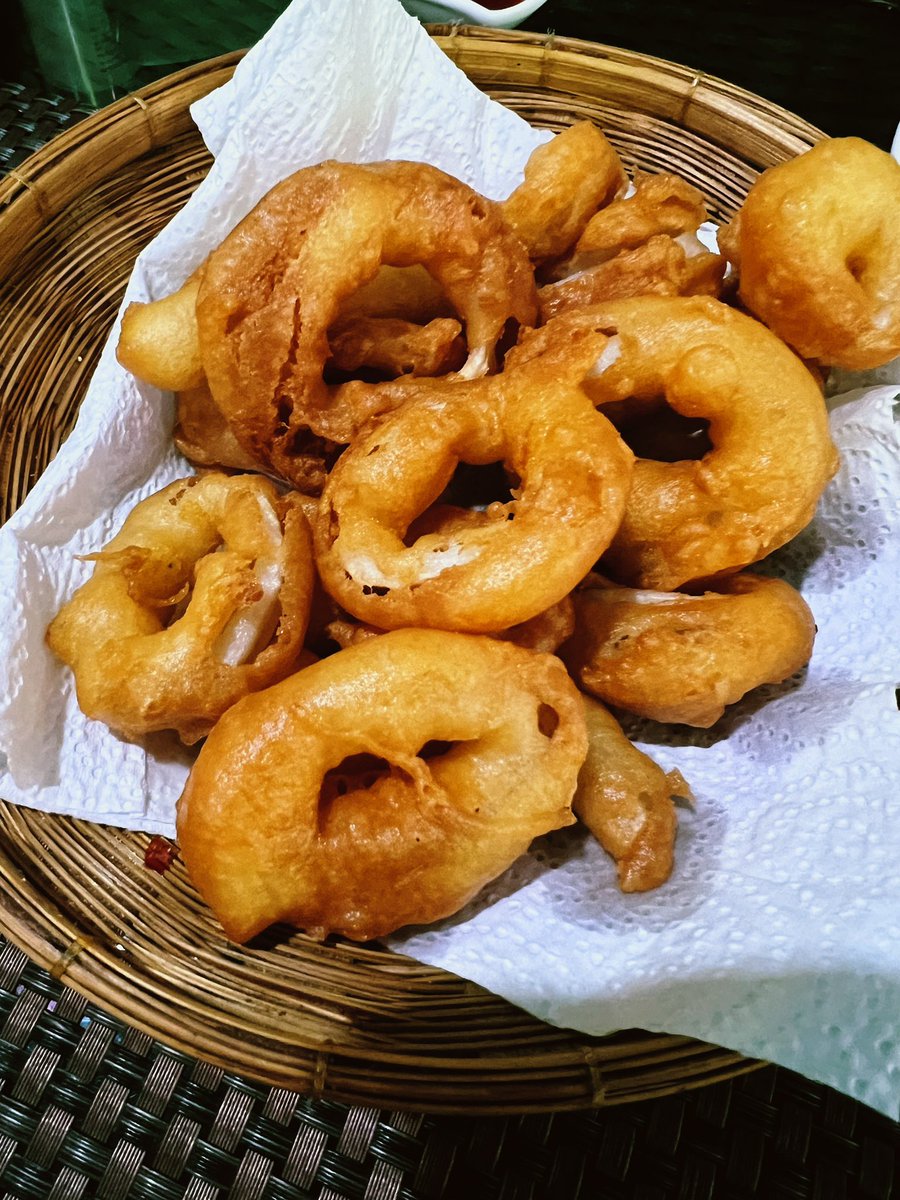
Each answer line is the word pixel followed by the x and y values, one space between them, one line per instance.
pixel 202 597
pixel 817 245
pixel 661 205
pixel 483 576
pixel 280 820
pixel 276 284
pixel 681 658
pixel 626 801
pixel 566 180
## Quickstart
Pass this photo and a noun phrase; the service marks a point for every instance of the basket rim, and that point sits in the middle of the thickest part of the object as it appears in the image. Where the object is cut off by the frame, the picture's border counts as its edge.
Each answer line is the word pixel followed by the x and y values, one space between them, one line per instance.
pixel 27 205
pixel 27 178
pixel 697 82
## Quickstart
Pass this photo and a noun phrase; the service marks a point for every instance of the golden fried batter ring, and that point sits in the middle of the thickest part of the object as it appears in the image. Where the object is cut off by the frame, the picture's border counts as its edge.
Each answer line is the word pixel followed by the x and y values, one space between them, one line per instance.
pixel 771 455
pixel 659 267
pixel 202 597
pixel 625 800
pixel 525 556
pixel 681 658
pixel 566 180
pixel 276 285
pixel 817 245
pixel 268 834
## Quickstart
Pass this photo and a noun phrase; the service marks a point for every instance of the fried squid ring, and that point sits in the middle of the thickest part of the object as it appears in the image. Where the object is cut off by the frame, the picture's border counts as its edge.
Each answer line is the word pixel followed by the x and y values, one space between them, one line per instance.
pixel 626 801
pixel 682 659
pixel 817 246
pixel 566 180
pixel 574 473
pixel 202 597
pixel 276 285
pixel 771 455
pixel 265 837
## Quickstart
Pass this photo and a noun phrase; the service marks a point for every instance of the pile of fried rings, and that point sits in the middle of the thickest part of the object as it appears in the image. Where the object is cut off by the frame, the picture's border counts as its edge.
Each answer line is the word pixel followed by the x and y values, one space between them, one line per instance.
pixel 467 474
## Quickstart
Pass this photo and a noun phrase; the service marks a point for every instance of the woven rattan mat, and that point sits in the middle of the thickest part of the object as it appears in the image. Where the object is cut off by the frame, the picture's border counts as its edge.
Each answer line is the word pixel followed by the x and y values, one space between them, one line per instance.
pixel 89 1107
pixel 29 116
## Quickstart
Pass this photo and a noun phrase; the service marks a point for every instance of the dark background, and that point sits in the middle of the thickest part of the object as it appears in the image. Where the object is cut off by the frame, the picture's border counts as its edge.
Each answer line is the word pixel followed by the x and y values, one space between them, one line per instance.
pixel 833 62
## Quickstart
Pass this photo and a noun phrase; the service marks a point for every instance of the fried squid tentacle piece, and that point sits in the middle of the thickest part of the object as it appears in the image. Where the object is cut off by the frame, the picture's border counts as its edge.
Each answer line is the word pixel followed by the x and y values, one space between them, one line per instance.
pixel 626 801
pixel 567 180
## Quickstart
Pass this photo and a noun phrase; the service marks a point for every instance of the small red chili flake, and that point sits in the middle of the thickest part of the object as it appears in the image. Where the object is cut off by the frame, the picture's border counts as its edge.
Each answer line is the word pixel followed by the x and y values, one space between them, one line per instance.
pixel 160 854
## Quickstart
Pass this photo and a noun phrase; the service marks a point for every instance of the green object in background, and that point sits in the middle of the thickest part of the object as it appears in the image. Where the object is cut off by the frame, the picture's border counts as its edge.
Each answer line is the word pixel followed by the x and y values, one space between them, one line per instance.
pixel 99 49
pixel 154 33
pixel 76 48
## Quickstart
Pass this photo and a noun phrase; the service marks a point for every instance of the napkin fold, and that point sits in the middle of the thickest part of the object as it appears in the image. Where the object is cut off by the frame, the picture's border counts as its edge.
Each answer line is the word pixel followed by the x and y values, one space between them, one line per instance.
pixel 779 934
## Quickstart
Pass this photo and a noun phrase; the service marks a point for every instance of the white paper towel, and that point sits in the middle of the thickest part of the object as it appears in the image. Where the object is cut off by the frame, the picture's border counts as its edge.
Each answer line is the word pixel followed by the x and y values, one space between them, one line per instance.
pixel 779 934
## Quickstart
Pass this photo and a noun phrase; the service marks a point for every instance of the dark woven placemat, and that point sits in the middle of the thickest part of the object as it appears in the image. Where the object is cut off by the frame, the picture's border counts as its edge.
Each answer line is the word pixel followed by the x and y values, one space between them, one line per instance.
pixel 89 1107
pixel 30 115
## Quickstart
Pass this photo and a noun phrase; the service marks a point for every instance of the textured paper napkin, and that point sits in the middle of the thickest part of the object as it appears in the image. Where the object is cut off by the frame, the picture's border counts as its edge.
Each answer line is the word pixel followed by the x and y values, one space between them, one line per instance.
pixel 779 934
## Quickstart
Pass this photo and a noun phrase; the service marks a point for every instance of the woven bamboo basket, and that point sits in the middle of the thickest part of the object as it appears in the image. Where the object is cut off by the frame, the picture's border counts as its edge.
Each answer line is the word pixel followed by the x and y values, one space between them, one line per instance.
pixel 358 1024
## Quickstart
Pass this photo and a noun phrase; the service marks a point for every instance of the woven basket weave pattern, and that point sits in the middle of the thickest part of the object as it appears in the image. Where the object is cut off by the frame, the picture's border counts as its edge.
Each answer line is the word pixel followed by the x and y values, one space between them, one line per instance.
pixel 352 1023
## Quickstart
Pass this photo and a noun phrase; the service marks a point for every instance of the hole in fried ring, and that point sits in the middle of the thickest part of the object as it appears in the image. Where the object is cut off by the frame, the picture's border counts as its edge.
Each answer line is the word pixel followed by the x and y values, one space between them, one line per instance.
pixel 573 472
pixel 308 246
